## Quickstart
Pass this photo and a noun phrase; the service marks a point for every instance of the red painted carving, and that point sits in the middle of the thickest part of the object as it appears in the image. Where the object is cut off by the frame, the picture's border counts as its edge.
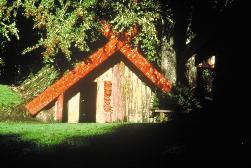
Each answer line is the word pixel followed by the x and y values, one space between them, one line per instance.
pixel 116 42
pixel 107 95
pixel 107 100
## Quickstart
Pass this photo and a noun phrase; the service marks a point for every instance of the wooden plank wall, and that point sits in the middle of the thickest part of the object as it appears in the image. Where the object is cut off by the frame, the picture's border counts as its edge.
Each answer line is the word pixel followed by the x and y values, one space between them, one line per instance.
pixel 131 98
pixel 136 97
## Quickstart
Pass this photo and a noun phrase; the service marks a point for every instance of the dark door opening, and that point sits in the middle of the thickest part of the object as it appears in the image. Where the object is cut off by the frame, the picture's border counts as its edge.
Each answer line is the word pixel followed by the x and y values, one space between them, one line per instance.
pixel 88 96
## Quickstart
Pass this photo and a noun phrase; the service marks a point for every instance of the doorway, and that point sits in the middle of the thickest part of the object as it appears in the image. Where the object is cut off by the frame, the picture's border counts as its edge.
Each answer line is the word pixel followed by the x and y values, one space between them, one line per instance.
pixel 88 97
pixel 80 103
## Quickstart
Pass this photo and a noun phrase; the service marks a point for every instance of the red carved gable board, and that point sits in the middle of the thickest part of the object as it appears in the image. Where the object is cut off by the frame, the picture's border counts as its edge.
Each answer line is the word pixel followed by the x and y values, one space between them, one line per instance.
pixel 96 59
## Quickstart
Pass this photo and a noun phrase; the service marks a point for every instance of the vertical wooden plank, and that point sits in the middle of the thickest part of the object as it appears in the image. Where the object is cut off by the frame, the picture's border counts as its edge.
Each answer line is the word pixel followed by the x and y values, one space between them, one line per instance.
pixel 100 102
pixel 118 110
pixel 59 108
pixel 73 108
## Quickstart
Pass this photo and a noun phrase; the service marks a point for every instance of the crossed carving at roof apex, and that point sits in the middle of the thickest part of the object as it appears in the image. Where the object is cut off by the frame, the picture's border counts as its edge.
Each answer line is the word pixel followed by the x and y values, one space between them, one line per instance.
pixel 127 36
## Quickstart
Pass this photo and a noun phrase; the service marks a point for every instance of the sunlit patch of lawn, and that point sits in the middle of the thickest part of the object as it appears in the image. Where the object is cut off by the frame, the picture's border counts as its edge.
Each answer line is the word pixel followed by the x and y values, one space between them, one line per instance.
pixel 49 135
pixel 8 97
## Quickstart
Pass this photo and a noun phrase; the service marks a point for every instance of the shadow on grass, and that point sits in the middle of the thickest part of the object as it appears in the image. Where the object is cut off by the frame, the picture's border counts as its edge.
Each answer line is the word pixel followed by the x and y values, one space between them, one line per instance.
pixel 183 142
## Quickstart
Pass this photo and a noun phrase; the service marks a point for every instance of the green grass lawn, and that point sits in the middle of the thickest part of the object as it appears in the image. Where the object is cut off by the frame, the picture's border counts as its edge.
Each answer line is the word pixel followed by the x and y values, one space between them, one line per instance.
pixel 175 144
pixel 178 143
pixel 49 135
pixel 8 98
pixel 83 144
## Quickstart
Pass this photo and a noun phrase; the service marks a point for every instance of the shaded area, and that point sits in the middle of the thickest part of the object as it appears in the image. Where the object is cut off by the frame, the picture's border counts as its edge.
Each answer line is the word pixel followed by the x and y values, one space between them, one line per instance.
pixel 17 67
pixel 88 103
pixel 184 142
pixel 222 33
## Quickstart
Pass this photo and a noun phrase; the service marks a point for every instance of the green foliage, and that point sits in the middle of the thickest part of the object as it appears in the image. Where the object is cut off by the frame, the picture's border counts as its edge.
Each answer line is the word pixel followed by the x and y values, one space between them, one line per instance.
pixel 64 24
pixel 157 104
pixel 181 98
pixel 36 83
pixel 75 24
pixel 208 77
pixel 154 102
pixel 8 13
pixel 15 113
pixel 1 62
pixel 147 16
pixel 11 105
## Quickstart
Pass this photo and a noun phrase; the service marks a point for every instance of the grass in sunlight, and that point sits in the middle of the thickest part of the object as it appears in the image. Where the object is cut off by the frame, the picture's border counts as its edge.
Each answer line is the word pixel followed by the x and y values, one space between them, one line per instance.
pixel 8 98
pixel 46 135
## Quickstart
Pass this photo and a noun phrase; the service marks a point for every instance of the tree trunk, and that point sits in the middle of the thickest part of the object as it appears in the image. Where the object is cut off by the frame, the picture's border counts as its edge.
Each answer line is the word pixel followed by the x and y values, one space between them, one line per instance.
pixel 180 36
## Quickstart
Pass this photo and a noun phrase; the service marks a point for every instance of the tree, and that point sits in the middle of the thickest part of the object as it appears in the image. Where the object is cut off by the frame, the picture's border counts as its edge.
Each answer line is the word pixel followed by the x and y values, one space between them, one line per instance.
pixel 195 24
pixel 8 32
pixel 64 26
pixel 8 13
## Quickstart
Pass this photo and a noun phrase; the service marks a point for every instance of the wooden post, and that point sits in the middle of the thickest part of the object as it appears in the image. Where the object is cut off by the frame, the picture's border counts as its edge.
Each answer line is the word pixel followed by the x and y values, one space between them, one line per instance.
pixel 73 108
pixel 59 105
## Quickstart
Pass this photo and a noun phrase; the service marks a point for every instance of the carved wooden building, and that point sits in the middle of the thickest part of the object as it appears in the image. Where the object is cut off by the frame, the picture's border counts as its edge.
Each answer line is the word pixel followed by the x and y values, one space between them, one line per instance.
pixel 114 84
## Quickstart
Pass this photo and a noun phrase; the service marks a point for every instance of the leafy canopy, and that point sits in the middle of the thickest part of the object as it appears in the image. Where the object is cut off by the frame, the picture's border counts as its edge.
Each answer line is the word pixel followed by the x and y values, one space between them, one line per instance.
pixel 64 25
pixel 8 13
